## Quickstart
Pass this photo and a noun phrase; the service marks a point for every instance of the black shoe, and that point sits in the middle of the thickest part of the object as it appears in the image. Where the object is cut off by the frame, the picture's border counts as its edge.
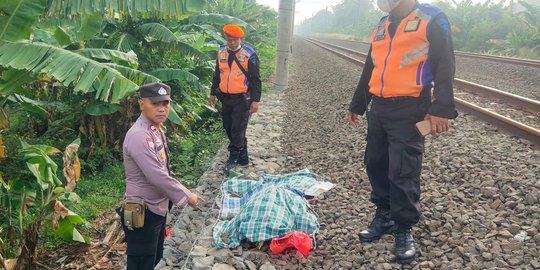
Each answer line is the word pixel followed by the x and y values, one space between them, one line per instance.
pixel 228 167
pixel 231 162
pixel 379 226
pixel 404 245
pixel 243 158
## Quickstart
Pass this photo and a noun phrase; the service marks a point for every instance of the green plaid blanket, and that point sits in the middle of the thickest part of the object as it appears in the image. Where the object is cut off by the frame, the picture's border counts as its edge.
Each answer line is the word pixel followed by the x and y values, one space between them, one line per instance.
pixel 265 209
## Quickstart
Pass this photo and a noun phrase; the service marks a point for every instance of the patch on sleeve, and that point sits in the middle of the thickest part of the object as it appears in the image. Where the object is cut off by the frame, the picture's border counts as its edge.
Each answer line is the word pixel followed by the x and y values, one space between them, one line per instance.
pixel 150 143
pixel 443 23
pixel 254 60
pixel 163 156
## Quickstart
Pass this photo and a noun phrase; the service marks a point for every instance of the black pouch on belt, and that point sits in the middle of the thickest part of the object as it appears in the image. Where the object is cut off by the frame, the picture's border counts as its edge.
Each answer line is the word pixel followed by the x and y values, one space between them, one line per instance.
pixel 133 213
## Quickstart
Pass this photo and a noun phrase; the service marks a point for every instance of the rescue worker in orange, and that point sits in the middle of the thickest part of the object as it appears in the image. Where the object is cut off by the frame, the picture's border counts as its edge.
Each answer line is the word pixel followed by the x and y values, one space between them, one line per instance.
pixel 411 54
pixel 237 84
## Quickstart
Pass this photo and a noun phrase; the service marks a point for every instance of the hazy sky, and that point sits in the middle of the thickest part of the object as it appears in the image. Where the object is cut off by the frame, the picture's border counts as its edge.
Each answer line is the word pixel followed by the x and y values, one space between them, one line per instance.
pixel 308 8
pixel 304 8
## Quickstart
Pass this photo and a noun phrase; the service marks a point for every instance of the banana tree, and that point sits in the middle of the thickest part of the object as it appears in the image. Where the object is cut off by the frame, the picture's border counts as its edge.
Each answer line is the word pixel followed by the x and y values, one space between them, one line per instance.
pixel 62 49
pixel 19 17
pixel 163 9
pixel 45 199
pixel 526 39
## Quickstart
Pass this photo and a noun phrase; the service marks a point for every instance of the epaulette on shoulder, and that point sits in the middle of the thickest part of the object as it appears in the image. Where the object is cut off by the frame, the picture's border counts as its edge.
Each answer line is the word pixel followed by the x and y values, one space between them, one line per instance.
pixel 383 19
pixel 430 10
pixel 248 49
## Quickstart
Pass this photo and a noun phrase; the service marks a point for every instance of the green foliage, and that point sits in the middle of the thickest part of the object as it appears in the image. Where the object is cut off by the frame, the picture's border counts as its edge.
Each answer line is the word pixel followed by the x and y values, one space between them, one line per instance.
pixel 97 159
pixel 61 71
pixel 164 9
pixel 193 151
pixel 68 67
pixel 39 202
pixel 17 18
pixel 100 191
pixel 489 27
pixel 44 170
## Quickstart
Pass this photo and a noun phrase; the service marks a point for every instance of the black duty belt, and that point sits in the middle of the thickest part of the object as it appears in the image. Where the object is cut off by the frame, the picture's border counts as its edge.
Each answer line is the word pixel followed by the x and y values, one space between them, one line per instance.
pixel 395 99
pixel 233 96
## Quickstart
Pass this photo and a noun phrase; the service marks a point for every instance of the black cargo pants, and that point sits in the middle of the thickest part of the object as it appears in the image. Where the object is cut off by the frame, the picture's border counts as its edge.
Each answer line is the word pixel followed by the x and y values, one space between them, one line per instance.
pixel 145 245
pixel 235 113
pixel 393 156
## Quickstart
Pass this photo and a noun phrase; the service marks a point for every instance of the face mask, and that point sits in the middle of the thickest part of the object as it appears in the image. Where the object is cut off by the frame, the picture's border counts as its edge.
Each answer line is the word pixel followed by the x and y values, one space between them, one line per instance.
pixel 387 5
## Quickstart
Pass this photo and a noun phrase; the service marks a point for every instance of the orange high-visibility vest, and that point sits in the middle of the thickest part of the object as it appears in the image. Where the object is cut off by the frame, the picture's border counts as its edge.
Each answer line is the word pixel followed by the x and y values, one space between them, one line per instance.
pixel 401 66
pixel 232 79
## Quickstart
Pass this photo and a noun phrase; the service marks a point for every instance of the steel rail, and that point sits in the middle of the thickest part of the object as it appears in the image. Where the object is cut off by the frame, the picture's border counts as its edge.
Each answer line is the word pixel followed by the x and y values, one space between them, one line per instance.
pixel 527 104
pixel 514 127
pixel 496 58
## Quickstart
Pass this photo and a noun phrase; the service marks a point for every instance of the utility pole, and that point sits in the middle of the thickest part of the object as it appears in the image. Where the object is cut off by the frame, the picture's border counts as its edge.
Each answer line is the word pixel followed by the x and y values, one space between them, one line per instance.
pixel 284 39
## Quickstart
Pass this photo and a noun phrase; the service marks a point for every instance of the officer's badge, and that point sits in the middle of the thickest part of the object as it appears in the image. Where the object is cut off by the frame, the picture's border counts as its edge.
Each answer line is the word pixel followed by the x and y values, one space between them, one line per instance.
pixel 380 33
pixel 223 57
pixel 412 25
pixel 162 91
pixel 241 58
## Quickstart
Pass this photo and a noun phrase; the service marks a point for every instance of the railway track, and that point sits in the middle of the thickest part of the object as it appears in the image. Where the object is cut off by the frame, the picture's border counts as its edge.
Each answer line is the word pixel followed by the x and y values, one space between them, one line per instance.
pixel 505 123
pixel 497 58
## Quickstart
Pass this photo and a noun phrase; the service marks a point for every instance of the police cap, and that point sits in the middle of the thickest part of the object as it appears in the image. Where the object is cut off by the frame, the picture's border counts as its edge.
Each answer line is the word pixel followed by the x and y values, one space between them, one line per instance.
pixel 156 92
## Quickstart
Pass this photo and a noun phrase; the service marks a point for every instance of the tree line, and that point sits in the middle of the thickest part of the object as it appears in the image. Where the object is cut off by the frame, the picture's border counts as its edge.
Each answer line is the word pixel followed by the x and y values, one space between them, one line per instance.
pixel 503 28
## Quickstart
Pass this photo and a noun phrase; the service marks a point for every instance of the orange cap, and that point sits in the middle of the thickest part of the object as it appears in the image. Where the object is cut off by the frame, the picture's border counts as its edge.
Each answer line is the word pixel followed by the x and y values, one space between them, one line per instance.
pixel 233 30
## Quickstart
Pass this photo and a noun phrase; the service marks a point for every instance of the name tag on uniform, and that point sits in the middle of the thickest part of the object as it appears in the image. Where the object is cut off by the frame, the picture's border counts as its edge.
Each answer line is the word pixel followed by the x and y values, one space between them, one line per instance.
pixel 380 33
pixel 412 25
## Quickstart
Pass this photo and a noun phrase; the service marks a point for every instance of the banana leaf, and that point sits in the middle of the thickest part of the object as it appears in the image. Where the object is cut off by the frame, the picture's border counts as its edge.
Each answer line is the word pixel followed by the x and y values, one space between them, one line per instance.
pixel 68 67
pixel 17 18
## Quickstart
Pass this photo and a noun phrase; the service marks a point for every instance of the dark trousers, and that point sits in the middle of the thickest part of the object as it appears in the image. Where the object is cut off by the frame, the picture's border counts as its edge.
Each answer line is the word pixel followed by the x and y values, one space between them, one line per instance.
pixel 235 113
pixel 145 245
pixel 394 156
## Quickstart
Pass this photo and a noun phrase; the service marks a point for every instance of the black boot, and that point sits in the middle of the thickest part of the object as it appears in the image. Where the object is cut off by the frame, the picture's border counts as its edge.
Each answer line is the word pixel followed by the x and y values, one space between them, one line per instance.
pixel 231 162
pixel 404 245
pixel 243 158
pixel 380 225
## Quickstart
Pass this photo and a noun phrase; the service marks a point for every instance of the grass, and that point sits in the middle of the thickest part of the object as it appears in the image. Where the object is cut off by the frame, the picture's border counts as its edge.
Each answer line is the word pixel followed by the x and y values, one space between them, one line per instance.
pixel 100 192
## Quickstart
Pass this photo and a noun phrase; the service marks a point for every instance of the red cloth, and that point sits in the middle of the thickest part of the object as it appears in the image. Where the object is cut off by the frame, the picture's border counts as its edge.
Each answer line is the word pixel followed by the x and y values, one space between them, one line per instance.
pixel 298 240
pixel 168 232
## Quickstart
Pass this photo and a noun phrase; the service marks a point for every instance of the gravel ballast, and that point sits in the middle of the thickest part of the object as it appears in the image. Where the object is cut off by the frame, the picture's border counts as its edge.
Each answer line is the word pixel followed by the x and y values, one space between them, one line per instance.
pixel 480 188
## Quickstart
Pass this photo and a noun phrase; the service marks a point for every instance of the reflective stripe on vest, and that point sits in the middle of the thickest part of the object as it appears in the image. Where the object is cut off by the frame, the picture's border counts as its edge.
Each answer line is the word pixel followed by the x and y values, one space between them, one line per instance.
pixel 232 79
pixel 401 66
